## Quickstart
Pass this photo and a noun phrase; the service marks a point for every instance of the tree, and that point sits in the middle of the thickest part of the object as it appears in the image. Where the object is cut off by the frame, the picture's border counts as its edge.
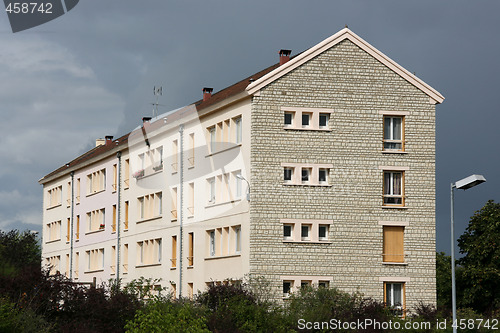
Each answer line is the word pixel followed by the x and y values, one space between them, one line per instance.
pixel 17 251
pixel 481 261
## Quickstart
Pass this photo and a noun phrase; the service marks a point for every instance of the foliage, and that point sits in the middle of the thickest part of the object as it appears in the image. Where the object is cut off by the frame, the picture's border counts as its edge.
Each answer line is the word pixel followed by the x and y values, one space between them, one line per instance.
pixel 481 263
pixel 166 316
pixel 18 250
pixel 234 308
pixel 13 319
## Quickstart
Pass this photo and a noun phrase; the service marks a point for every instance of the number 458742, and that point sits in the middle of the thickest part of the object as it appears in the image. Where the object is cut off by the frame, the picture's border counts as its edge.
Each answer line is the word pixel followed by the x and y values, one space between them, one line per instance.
pixel 29 7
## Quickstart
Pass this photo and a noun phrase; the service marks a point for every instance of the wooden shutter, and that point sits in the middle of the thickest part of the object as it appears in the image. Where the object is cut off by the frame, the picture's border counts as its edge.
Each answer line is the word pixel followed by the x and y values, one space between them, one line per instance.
pixel 393 244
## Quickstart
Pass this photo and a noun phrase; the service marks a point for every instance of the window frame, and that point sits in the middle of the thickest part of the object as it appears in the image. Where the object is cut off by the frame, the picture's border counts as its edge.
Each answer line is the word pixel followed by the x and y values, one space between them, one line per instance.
pixel 388 193
pixel 313 115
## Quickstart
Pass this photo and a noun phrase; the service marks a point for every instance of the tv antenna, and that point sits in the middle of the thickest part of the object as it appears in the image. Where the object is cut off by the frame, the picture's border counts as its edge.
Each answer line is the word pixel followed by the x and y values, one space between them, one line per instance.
pixel 157 91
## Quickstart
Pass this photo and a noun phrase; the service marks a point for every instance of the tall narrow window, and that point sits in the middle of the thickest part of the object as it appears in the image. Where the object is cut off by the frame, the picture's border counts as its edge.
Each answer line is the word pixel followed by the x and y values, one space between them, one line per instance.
pixel 77 234
pixel 125 223
pixel 190 290
pixel 212 243
pixel 289 117
pixel 68 229
pixel 288 175
pixel 68 196
pixel 115 177
pixel 211 190
pixel 191 249
pixel 238 124
pixel 305 231
pixel 393 133
pixel 113 225
pixel 322 176
pixel 393 244
pixel 77 264
pixel 190 207
pixel 306 175
pixel 126 174
pixel 323 232
pixel 393 188
pixel 395 297
pixel 112 265
pixel 191 150
pixel 287 288
pixel 77 197
pixel 323 120
pixel 175 152
pixel 174 252
pixel 238 185
pixel 173 211
pixel 287 231
pixel 125 258
pixel 213 139
pixel 306 118
pixel 237 236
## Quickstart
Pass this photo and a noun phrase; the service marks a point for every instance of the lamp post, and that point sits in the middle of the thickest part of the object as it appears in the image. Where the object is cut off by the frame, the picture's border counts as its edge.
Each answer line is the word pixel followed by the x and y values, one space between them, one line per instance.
pixel 463 184
pixel 239 176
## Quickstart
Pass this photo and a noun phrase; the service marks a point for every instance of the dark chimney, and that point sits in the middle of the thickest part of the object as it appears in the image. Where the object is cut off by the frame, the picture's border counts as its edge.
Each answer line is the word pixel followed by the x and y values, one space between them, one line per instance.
pixel 207 93
pixel 109 139
pixel 284 56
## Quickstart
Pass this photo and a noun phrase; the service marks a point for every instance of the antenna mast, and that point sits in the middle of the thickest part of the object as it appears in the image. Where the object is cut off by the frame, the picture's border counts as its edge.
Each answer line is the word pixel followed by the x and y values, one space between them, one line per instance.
pixel 157 91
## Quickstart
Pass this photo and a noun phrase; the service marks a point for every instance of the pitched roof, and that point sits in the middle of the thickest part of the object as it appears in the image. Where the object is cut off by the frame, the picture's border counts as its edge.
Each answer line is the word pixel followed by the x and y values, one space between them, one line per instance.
pixel 333 40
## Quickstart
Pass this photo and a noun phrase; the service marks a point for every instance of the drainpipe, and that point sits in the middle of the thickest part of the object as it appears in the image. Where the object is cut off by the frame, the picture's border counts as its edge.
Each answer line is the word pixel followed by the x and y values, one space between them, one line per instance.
pixel 71 228
pixel 181 206
pixel 119 187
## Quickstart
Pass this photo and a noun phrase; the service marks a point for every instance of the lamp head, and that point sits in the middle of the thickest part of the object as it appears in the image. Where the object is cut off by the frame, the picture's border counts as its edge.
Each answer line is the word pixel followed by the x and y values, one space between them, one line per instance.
pixel 469 182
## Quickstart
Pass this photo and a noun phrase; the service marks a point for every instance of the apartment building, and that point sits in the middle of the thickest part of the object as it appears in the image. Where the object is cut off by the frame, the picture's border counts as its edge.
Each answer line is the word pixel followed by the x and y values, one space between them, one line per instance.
pixel 318 170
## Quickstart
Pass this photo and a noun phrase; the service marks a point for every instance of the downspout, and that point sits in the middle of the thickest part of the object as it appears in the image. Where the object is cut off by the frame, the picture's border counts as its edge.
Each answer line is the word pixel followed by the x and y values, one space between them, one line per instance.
pixel 118 208
pixel 181 206
pixel 71 227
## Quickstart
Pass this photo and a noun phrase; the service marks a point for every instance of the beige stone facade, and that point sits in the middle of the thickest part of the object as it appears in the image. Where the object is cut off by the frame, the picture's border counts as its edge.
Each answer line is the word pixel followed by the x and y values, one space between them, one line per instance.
pixel 338 147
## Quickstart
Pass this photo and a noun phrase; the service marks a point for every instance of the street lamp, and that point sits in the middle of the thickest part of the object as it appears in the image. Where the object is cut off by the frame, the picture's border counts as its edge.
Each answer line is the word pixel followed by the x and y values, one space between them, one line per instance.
pixel 463 184
pixel 239 176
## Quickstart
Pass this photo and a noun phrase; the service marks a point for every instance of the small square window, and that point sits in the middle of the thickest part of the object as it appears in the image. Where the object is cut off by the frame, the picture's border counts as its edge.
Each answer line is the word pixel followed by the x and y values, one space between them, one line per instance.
pixel 323 284
pixel 288 174
pixel 304 232
pixel 289 118
pixel 323 232
pixel 287 231
pixel 323 120
pixel 305 284
pixel 306 117
pixel 306 174
pixel 322 176
pixel 287 288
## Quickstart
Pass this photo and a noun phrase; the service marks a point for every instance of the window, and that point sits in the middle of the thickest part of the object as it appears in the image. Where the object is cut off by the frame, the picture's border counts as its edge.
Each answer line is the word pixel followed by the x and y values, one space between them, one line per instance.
pixel 112 261
pixel 191 150
pixel 125 223
pixel 211 190
pixel 96 181
pixel 238 125
pixel 322 176
pixel 115 177
pixel 125 258
pixel 68 195
pixel 393 133
pixel 287 288
pixel 289 118
pixel 306 117
pixel 149 252
pixel 288 175
pixel 191 249
pixel 393 188
pixel 174 252
pixel 175 152
pixel 54 231
pixel 393 247
pixel 54 263
pixel 190 290
pixel 305 175
pixel 237 237
pixel 95 259
pixel 287 231
pixel 213 139
pixel 173 210
pixel 190 207
pixel 96 220
pixel 238 184
pixel 77 264
pixel 323 232
pixel 54 197
pixel 323 120
pixel 304 231
pixel 394 297
pixel 158 159
pixel 212 243
pixel 68 229
pixel 77 234
pixel 323 284
pixel 305 284
pixel 66 271
pixel 113 225
pixel 310 119
pixel 150 206
pixel 126 172
pixel 77 191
